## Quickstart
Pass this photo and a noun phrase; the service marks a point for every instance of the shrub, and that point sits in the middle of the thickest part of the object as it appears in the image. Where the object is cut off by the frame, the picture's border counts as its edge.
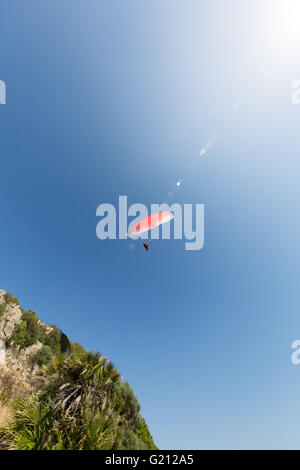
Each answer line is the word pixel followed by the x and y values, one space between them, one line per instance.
pixel 8 298
pixel 80 407
pixel 2 308
pixel 127 439
pixel 76 410
pixel 65 345
pixel 77 348
pixel 57 341
pixel 145 436
pixel 28 331
pixel 53 339
pixel 28 429
pixel 131 406
pixel 42 357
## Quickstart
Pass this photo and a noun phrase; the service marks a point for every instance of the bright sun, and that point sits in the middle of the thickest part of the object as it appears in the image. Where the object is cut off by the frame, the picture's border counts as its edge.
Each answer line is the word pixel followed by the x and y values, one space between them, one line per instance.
pixel 281 26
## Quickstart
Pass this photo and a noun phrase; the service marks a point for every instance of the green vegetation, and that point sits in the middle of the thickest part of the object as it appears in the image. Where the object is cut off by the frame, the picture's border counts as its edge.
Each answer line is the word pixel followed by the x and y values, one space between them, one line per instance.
pixel 30 330
pixel 2 308
pixel 145 436
pixel 77 348
pixel 57 341
pixel 42 357
pixel 10 299
pixel 83 405
pixel 127 439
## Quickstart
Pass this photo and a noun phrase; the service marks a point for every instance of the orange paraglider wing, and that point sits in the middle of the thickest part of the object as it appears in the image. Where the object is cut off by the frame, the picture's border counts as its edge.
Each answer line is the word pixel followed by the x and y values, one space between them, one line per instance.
pixel 150 222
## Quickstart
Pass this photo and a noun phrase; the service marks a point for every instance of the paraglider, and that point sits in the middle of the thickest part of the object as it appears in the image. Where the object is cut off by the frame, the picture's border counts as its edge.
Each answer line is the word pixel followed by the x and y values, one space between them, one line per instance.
pixel 149 223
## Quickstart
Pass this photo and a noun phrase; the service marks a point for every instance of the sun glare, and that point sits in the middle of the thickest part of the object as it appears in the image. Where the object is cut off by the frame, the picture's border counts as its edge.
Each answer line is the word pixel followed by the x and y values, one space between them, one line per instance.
pixel 282 26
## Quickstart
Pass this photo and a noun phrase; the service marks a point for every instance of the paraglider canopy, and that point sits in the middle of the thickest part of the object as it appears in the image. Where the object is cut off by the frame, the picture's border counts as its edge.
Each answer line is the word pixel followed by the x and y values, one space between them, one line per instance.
pixel 150 222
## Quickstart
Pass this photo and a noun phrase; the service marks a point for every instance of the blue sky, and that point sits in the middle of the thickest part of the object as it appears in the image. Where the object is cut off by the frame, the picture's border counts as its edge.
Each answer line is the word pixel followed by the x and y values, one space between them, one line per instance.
pixel 118 98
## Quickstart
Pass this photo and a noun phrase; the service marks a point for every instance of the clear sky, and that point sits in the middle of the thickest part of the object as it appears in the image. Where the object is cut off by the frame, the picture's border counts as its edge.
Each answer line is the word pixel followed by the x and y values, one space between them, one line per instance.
pixel 109 98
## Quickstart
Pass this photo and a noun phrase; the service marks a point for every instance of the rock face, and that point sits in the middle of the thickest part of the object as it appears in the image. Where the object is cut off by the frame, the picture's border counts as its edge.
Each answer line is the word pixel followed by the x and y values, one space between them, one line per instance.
pixel 2 353
pixel 13 360
pixel 19 365
pixel 9 319
pixel 46 327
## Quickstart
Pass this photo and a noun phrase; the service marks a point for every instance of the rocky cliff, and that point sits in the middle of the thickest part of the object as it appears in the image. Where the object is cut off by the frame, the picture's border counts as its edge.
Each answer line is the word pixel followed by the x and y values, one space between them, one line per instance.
pixel 16 356
pixel 81 393
pixel 10 315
